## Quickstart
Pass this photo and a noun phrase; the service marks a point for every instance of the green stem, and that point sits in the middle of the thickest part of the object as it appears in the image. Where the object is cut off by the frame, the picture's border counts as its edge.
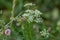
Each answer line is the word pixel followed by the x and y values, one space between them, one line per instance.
pixel 28 31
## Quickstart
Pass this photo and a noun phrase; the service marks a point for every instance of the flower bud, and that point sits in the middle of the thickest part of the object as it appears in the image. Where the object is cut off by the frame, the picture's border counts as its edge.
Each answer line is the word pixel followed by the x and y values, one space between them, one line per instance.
pixel 7 32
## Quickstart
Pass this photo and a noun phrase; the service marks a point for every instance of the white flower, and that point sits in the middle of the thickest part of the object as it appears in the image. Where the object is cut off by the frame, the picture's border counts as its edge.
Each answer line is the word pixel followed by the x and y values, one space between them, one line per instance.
pixel 28 4
pixel 25 15
pixel 29 11
pixel 30 19
pixel 44 33
pixel 37 20
pixel 17 24
pixel 12 18
pixel 32 15
pixel 29 15
pixel 37 13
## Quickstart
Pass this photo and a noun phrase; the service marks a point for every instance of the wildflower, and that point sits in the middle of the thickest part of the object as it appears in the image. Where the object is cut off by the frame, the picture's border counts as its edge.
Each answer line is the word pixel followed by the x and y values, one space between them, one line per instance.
pixel 30 19
pixel 28 4
pixel 25 15
pixel 32 15
pixel 29 11
pixel 37 20
pixel 18 24
pixel 23 19
pixel 7 32
pixel 12 18
pixel 37 11
pixel 44 33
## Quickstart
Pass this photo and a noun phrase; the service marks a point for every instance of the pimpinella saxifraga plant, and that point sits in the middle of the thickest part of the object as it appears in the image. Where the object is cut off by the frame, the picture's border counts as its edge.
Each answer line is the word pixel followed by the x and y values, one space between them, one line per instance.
pixel 29 17
pixel 25 23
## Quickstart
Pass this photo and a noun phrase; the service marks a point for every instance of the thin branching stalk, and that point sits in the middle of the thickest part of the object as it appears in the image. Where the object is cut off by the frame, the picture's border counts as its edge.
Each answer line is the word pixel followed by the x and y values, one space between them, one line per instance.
pixel 13 6
pixel 12 12
pixel 12 20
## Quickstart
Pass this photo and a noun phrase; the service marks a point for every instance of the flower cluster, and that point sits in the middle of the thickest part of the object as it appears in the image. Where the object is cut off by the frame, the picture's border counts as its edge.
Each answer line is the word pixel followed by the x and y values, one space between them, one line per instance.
pixel 28 4
pixel 44 33
pixel 33 15
pixel 30 15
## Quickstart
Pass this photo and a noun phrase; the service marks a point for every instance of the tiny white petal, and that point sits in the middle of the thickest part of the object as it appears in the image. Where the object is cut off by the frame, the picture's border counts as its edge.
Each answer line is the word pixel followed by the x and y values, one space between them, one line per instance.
pixel 28 4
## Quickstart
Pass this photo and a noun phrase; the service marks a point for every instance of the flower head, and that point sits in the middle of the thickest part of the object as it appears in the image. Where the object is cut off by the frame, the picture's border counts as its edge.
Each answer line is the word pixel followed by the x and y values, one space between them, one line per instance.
pixel 37 13
pixel 7 32
pixel 29 4
pixel 38 20
pixel 44 33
